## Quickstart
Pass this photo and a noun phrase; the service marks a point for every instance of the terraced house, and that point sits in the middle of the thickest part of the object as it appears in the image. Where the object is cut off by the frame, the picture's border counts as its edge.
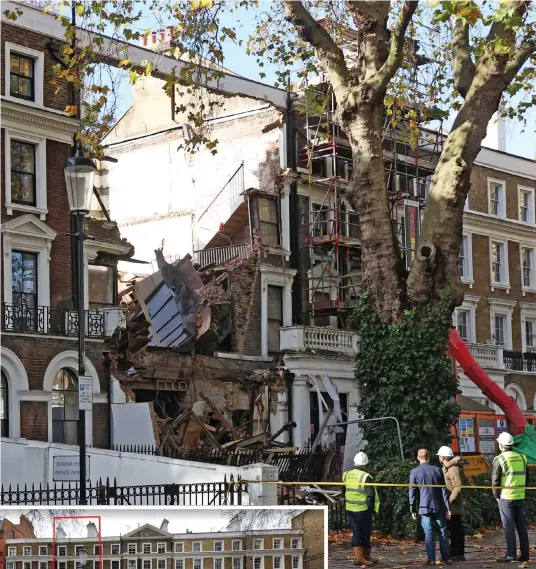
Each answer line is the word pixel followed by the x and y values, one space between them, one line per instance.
pixel 39 385
pixel 149 547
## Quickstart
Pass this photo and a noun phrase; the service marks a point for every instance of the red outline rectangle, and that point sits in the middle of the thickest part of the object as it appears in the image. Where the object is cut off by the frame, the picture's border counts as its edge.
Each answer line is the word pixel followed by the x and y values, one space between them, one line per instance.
pixel 75 517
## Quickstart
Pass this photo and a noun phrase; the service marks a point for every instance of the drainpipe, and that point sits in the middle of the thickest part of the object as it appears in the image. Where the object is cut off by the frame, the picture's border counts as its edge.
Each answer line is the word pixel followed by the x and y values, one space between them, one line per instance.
pixel 288 385
pixel 107 363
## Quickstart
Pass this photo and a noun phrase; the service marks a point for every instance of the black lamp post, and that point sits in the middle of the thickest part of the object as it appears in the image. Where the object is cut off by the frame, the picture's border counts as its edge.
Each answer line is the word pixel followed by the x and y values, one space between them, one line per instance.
pixel 79 177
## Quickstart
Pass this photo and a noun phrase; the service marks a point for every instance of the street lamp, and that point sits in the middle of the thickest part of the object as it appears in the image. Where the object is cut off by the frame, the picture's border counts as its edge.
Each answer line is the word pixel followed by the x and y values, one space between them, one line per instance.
pixel 79 177
pixel 82 557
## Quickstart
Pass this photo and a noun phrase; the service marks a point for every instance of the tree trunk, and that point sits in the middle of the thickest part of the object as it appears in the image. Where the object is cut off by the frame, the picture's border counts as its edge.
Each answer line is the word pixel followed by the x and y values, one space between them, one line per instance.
pixel 436 264
pixel 382 274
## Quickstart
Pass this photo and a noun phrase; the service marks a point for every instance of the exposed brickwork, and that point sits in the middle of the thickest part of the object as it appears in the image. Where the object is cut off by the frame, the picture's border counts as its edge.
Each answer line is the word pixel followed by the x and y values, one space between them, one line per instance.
pixel 34 423
pixel 252 337
pixel 55 91
pixel 9 530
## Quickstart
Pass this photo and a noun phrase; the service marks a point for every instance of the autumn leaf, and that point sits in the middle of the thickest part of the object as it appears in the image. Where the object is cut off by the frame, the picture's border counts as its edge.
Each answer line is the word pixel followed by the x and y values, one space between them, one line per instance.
pixel 478 536
pixel 71 110
pixel 124 62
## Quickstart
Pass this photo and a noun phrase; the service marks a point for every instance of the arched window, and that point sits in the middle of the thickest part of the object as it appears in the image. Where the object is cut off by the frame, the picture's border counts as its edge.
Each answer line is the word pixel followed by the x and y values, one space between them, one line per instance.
pixel 516 393
pixel 4 407
pixel 65 407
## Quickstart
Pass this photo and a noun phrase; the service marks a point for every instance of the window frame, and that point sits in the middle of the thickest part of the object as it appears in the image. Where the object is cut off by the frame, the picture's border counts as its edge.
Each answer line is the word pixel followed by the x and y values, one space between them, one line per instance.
pixel 9 551
pixel 469 304
pixel 158 547
pixel 175 543
pixel 181 561
pixel 299 539
pixel 62 564
pixel 112 545
pixel 501 207
pixel 280 540
pixel 118 561
pixel 299 564
pixel 200 550
pixel 222 545
pixel 38 75
pixel 527 313
pixel 240 562
pixel 532 277
pixel 45 547
pixel 135 548
pixel 26 565
pixel 164 559
pixel 239 541
pixel 504 268
pixel 200 559
pixel 148 560
pixel 277 223
pixel 33 202
pixel 24 548
pixel 143 552
pixel 502 307
pixel 222 559
pixel 281 562
pixel 11 565
pixel 4 404
pixel 532 204
pixel 43 564
pixel 261 539
pixel 467 242
pixel 59 547
pixel 254 557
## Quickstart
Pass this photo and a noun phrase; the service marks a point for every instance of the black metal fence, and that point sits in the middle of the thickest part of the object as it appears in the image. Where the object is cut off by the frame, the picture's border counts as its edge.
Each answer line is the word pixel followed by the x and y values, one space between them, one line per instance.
pixel 337 518
pixel 295 466
pixel 230 492
pixel 23 318
pixel 518 361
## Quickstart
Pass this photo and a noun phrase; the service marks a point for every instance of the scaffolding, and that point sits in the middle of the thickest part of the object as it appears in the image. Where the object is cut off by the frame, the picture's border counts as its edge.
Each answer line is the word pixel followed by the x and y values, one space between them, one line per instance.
pixel 330 227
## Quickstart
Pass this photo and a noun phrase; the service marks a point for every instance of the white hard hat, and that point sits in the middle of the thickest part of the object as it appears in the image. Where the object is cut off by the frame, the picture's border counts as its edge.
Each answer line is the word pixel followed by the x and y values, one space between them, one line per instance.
pixel 360 459
pixel 505 439
pixel 446 452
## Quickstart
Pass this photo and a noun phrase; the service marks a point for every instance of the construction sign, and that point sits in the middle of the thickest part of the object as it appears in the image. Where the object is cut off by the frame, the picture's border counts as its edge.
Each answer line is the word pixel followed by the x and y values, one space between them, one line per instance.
pixel 412 223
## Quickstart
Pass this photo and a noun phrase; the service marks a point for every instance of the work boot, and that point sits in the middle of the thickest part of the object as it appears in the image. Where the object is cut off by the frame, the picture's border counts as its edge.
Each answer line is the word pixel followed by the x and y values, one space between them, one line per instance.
pixel 360 559
pixel 366 553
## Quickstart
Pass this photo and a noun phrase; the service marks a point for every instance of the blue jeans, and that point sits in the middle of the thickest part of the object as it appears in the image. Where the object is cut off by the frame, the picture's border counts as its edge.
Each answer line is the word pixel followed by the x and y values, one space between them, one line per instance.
pixel 361 526
pixel 428 522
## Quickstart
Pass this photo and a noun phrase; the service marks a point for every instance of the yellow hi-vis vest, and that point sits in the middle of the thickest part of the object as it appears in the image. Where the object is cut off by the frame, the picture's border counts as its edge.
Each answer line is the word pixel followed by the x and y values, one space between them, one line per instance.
pixel 356 494
pixel 514 469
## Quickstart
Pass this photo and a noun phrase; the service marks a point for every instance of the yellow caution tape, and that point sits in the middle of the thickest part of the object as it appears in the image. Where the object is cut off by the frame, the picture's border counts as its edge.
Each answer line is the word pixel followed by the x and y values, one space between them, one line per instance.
pixel 383 484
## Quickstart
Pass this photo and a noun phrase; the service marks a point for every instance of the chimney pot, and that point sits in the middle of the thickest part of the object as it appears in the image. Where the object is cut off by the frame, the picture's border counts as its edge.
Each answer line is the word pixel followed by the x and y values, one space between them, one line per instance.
pixel 170 34
pixel 153 37
pixel 143 40
pixel 161 35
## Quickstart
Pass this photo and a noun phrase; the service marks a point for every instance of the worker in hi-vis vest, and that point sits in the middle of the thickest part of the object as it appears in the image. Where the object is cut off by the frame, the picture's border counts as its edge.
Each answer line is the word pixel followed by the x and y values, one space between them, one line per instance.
pixel 360 502
pixel 510 470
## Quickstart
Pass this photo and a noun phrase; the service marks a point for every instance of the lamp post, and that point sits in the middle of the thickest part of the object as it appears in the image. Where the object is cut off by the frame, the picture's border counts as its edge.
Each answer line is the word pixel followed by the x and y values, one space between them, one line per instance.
pixel 79 177
pixel 82 557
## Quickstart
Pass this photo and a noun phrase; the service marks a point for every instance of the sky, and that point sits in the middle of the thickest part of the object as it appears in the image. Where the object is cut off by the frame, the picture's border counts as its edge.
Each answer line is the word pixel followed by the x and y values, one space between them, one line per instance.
pixel 122 520
pixel 520 139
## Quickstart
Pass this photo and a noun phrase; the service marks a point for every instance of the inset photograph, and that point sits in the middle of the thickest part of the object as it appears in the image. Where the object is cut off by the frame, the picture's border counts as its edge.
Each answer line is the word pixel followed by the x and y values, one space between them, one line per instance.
pixel 165 538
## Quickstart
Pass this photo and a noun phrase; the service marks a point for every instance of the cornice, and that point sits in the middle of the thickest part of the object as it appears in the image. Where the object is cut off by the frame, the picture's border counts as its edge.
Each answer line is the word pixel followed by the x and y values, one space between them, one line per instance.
pixel 507 229
pixel 46 123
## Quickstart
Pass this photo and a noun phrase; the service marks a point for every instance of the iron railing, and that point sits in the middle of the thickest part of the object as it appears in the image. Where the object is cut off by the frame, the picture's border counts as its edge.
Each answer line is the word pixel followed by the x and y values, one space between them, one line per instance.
pixel 228 492
pixel 293 466
pixel 220 255
pixel 22 318
pixel 337 518
pixel 518 361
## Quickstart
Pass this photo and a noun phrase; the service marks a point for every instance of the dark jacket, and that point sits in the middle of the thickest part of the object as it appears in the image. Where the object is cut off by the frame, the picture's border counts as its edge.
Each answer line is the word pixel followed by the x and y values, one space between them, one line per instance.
pixel 496 475
pixel 453 473
pixel 371 496
pixel 428 500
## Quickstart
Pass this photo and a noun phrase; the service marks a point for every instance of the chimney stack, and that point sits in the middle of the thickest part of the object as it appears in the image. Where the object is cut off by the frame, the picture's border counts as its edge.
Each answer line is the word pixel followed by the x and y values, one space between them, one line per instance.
pixel 60 533
pixel 92 530
pixel 164 525
pixel 160 40
pixel 496 134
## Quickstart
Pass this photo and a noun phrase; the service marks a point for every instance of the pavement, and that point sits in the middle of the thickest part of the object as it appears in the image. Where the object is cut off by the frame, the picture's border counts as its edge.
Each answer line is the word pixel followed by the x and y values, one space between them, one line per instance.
pixel 481 552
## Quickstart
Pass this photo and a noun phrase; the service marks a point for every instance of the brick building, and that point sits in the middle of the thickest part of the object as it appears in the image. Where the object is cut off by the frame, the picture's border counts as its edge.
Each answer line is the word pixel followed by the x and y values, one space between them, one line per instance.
pixel 39 327
pixel 8 530
pixel 149 547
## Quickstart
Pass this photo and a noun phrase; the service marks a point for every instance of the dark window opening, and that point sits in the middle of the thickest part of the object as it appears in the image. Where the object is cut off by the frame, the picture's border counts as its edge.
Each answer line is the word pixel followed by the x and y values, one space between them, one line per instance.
pixel 22 172
pixel 275 316
pixel 315 410
pixel 21 70
pixel 269 222
pixel 4 407
pixel 319 220
pixel 24 291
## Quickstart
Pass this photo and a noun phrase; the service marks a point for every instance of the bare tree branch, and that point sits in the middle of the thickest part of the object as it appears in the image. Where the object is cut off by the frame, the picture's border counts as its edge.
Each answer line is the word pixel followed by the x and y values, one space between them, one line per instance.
pixel 312 32
pixel 462 63
pixel 392 64
pixel 525 51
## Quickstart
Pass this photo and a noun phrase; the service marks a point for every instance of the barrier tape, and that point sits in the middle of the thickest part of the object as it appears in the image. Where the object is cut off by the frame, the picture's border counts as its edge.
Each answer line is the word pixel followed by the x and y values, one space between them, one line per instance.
pixel 382 484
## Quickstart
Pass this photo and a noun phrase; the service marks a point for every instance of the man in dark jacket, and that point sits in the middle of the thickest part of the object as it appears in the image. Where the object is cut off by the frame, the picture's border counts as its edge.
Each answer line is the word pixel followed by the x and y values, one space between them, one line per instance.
pixel 431 504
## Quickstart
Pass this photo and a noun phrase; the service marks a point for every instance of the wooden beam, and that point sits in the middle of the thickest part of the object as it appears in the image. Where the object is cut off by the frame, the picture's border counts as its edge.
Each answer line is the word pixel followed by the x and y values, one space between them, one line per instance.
pixel 225 422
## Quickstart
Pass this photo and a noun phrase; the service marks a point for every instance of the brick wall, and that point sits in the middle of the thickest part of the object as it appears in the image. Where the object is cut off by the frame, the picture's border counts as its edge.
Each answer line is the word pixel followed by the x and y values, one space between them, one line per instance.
pixel 55 91
pixel 312 524
pixel 36 352
pixel 9 530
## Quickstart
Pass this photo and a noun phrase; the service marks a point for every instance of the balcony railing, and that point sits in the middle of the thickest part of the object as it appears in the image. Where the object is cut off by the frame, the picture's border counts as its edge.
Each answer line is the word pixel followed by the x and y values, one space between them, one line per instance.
pixel 219 255
pixel 487 355
pixel 318 339
pixel 25 319
pixel 518 361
